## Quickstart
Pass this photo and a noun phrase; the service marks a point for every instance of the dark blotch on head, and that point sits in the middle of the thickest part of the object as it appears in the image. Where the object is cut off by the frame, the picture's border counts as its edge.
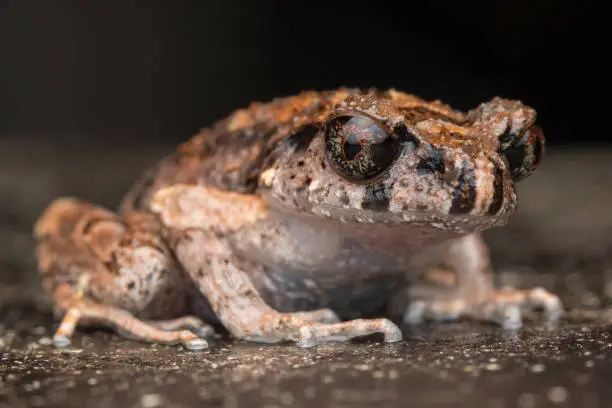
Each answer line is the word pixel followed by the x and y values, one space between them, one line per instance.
pixel 498 191
pixel 344 198
pixel 301 139
pixel 516 156
pixel 507 138
pixel 464 194
pixel 377 198
pixel 433 163
pixel 406 136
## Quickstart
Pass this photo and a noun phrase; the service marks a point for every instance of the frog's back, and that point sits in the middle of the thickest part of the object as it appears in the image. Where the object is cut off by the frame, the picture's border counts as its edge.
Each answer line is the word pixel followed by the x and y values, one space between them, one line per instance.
pixel 231 154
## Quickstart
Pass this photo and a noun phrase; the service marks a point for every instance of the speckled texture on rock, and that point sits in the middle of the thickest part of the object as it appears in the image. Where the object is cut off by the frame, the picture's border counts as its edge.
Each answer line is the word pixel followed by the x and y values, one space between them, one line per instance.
pixel 561 240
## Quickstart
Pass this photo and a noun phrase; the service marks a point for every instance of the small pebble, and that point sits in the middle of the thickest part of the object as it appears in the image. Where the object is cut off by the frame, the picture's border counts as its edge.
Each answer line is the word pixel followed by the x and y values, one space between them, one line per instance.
pixel 608 289
pixel 151 400
pixel 45 341
pixel 363 367
pixel 286 398
pixel 557 394
pixel 310 392
pixel 537 368
pixel 327 379
pixel 526 401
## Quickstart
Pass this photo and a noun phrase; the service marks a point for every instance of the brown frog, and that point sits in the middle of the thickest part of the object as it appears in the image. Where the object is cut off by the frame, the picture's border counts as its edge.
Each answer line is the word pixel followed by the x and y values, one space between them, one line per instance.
pixel 307 219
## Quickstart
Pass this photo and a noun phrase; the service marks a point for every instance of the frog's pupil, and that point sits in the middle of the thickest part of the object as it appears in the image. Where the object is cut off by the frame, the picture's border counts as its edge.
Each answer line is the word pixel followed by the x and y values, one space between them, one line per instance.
pixel 351 147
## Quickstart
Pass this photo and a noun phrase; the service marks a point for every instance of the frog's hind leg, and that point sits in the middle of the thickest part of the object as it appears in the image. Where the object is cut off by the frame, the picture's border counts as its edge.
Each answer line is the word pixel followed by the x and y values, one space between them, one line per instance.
pixel 99 268
pixel 463 286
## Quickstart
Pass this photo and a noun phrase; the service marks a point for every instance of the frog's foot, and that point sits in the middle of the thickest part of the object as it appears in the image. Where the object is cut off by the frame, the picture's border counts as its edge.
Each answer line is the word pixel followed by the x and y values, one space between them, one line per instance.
pixel 460 283
pixel 125 324
pixel 504 307
pixel 274 327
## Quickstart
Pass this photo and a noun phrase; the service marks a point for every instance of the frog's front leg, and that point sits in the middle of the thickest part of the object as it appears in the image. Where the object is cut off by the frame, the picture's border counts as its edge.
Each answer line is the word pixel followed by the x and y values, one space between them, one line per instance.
pixel 201 220
pixel 457 281
pixel 101 268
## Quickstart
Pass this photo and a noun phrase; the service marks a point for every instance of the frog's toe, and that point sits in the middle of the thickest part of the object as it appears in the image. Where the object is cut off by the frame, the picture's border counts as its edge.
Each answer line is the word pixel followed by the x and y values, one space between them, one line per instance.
pixel 392 333
pixel 307 337
pixel 440 311
pixel 61 341
pixel 195 344
pixel 507 315
pixel 191 341
pixel 358 328
pixel 191 323
pixel 205 331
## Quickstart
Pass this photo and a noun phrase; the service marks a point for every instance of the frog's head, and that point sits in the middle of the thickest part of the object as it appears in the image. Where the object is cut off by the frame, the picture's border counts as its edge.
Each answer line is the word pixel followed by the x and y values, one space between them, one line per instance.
pixel 388 157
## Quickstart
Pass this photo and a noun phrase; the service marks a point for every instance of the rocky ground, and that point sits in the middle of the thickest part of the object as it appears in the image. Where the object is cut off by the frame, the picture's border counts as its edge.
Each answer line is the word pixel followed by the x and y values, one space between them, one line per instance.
pixel 561 240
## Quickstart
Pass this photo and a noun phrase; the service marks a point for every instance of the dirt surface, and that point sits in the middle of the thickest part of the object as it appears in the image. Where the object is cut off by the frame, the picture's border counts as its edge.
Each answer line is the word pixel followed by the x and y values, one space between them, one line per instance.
pixel 561 240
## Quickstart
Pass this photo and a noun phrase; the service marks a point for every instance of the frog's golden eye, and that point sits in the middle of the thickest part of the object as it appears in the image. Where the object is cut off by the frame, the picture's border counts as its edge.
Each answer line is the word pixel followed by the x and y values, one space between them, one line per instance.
pixel 358 147
pixel 525 153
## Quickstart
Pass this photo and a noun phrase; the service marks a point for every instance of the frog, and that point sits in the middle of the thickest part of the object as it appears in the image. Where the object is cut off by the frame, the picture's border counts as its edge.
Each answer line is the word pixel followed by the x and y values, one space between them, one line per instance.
pixel 321 216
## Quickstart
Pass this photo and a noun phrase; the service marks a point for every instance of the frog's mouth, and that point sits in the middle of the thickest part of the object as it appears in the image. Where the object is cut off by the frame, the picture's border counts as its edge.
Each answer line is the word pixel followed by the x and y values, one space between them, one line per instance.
pixel 405 221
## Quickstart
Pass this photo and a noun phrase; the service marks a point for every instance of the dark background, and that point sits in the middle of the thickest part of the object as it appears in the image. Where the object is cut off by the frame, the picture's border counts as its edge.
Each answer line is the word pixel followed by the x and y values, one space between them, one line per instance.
pixel 147 71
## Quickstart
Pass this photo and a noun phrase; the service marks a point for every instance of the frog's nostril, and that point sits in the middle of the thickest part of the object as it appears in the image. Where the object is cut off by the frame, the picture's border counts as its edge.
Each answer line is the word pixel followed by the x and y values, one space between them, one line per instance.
pixel 526 153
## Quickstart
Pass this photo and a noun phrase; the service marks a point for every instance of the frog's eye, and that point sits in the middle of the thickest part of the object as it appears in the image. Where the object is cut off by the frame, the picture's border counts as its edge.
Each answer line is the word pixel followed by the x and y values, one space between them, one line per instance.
pixel 358 147
pixel 525 154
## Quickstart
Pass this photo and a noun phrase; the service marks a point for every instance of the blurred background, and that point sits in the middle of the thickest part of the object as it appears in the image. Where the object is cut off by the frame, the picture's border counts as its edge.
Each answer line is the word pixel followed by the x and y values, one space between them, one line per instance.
pixel 158 71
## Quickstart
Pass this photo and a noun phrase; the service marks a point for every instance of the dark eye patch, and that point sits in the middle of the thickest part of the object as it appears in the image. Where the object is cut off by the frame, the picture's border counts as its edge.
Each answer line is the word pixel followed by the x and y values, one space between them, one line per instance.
pixel 409 140
pixel 498 190
pixel 301 139
pixel 464 194
pixel 432 163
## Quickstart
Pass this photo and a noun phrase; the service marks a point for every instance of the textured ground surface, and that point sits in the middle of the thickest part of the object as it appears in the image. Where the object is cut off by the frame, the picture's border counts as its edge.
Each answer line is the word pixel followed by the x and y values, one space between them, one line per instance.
pixel 562 240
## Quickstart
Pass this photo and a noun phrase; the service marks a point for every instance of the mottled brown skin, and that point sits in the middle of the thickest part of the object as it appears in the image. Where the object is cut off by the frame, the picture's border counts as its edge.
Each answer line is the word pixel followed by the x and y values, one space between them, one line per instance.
pixel 256 224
